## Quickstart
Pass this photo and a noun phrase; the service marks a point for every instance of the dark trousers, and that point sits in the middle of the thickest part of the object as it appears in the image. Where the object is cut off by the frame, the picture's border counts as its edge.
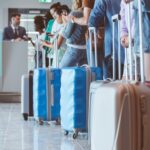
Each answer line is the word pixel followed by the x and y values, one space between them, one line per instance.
pixel 108 68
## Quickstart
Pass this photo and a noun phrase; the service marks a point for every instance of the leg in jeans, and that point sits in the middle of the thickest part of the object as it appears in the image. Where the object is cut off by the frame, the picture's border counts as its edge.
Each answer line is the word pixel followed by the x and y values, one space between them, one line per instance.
pixel 99 55
pixel 72 57
pixel 108 70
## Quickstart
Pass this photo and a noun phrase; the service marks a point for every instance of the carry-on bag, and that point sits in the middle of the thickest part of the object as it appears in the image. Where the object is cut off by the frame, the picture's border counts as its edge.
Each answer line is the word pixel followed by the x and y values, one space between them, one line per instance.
pixel 75 83
pixel 46 93
pixel 27 95
pixel 120 119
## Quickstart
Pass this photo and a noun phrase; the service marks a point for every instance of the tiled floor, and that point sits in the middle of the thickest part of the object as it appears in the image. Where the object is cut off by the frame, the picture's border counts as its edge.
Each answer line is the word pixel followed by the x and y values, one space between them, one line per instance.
pixel 16 134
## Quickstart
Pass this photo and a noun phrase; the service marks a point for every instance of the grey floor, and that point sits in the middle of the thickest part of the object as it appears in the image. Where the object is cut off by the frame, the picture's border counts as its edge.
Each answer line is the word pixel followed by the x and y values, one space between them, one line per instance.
pixel 16 134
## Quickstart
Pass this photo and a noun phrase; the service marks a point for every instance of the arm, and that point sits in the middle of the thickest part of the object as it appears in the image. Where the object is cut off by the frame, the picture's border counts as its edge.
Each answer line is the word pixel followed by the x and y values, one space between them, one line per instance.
pixel 97 13
pixel 50 45
pixel 84 20
pixel 123 13
pixel 67 32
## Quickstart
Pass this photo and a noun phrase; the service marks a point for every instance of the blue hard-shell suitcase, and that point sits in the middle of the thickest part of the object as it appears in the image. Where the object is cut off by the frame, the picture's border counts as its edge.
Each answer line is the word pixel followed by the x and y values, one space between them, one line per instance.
pixel 75 82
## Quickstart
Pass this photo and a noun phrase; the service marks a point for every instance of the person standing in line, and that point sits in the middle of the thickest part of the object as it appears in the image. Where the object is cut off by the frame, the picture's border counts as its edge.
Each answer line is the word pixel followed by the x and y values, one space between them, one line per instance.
pixel 107 8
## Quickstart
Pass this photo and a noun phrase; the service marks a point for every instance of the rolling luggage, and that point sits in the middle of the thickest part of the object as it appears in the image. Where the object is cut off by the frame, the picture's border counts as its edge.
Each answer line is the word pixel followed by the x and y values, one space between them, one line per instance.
pixel 46 95
pixel 75 82
pixel 120 120
pixel 27 95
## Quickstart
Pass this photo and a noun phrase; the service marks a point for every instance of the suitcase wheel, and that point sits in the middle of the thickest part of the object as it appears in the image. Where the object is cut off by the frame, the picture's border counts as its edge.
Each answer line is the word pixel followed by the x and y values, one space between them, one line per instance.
pixel 41 122
pixel 74 136
pixel 25 116
pixel 58 122
pixel 66 132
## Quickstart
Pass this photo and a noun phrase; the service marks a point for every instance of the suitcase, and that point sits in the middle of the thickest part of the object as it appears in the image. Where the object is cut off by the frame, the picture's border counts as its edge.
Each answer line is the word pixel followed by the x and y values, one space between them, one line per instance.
pixel 27 95
pixel 120 120
pixel 75 82
pixel 46 95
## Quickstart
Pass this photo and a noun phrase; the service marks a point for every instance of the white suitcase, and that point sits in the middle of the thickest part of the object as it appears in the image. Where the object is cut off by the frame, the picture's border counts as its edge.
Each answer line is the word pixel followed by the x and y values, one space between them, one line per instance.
pixel 120 115
pixel 25 95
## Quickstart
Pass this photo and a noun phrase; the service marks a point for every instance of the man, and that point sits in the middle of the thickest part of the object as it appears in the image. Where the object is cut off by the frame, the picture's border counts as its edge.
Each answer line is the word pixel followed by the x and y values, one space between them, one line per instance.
pixel 14 32
pixel 107 8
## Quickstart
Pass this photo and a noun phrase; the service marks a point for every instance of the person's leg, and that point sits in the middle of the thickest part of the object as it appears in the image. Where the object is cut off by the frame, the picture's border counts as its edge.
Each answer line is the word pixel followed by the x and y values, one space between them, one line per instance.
pixel 71 57
pixel 83 57
pixel 108 70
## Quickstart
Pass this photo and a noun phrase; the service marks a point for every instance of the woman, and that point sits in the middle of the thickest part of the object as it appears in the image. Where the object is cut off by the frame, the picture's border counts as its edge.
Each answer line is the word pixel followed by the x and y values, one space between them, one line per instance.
pixel 63 10
pixel 75 39
pixel 39 27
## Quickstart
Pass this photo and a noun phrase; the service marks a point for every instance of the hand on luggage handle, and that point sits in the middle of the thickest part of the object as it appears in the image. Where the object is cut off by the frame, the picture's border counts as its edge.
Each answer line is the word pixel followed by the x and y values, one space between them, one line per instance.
pixel 93 30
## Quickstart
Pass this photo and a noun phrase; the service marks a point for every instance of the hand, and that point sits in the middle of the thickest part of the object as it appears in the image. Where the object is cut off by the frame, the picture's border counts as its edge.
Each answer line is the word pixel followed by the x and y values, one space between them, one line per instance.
pixel 127 1
pixel 47 44
pixel 125 41
pixel 50 34
pixel 18 39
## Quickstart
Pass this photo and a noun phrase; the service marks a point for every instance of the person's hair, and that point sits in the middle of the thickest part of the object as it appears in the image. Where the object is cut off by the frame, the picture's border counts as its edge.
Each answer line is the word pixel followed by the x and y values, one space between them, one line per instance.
pixel 77 4
pixel 65 7
pixel 16 14
pixel 47 17
pixel 39 21
pixel 55 5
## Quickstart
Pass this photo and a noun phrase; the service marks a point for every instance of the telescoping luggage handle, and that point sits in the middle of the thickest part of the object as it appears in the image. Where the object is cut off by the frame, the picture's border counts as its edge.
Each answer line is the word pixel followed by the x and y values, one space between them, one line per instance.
pixel 142 73
pixel 141 64
pixel 116 18
pixel 56 66
pixel 43 53
pixel 92 31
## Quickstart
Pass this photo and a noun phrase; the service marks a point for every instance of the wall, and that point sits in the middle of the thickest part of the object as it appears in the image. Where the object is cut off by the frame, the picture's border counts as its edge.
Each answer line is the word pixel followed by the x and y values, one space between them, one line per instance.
pixel 0 60
pixel 5 4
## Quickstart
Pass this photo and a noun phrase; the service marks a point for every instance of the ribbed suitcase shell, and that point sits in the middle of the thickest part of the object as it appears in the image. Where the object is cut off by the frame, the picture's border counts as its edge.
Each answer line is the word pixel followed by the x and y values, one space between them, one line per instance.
pixel 43 80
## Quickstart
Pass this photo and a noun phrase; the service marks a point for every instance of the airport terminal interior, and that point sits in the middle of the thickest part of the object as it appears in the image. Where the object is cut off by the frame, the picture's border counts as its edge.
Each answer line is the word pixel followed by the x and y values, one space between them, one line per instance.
pixel 74 74
pixel 17 59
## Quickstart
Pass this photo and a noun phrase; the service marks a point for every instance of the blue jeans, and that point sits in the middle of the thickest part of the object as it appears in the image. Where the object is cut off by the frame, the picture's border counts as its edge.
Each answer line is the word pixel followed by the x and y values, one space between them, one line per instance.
pixel 73 57
pixel 39 59
pixel 146 32
pixel 100 58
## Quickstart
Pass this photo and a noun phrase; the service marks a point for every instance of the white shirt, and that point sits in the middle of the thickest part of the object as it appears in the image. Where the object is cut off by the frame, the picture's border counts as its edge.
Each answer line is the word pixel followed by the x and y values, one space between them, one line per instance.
pixel 39 40
pixel 57 27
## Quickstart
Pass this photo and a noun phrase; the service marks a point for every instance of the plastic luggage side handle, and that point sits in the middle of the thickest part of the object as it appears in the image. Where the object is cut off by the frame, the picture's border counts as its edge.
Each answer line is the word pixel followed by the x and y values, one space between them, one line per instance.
pixel 93 30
